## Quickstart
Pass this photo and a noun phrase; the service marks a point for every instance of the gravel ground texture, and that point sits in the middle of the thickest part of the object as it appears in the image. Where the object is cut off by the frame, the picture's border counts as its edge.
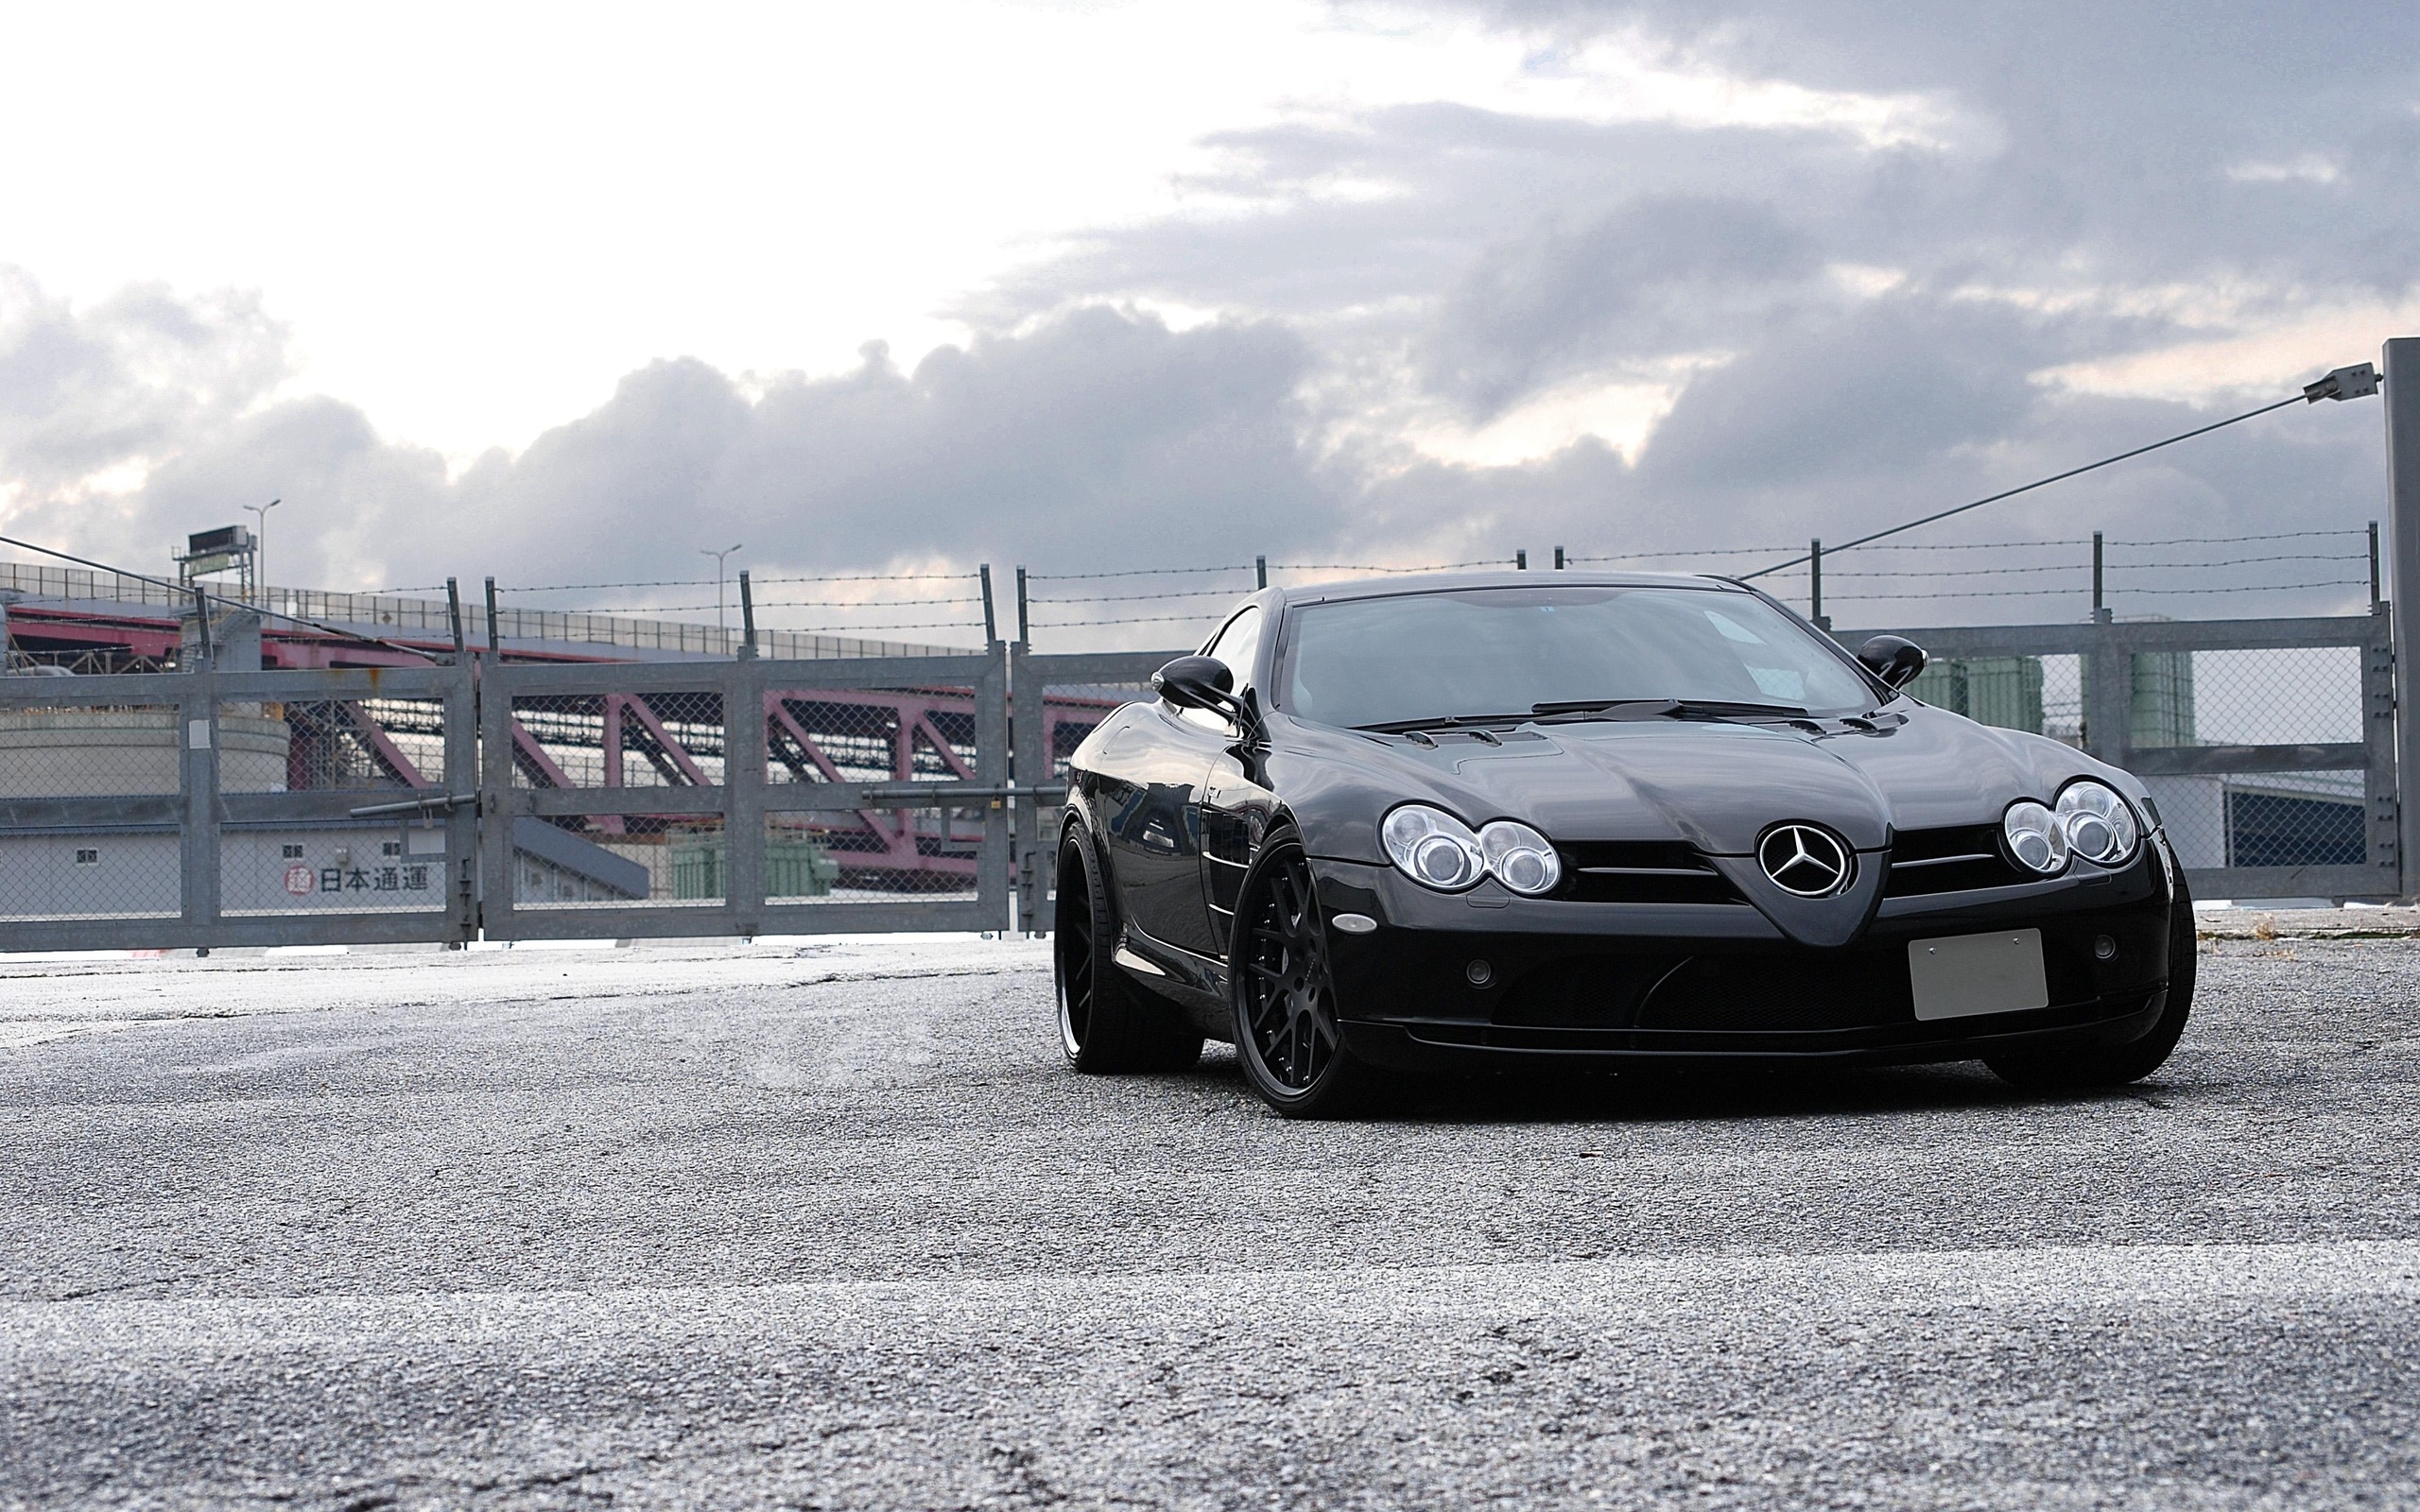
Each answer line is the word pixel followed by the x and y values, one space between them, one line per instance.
pixel 829 1226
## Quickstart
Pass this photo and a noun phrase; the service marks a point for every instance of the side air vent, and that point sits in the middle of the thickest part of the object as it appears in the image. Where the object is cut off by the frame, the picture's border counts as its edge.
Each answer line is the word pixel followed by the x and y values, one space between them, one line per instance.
pixel 1641 871
pixel 1958 859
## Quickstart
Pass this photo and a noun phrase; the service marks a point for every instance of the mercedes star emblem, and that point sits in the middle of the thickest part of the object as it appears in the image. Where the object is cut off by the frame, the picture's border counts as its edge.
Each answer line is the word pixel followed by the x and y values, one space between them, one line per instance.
pixel 1803 860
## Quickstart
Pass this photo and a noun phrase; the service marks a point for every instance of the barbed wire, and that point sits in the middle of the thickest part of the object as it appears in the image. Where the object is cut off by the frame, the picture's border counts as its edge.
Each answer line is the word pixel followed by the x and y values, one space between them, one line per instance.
pixel 709 582
pixel 1854 574
pixel 1653 556
pixel 2071 593
pixel 762 603
pixel 865 631
pixel 2235 561
pixel 1128 598
pixel 1137 572
pixel 2197 540
pixel 2258 588
pixel 1976 545
pixel 1140 619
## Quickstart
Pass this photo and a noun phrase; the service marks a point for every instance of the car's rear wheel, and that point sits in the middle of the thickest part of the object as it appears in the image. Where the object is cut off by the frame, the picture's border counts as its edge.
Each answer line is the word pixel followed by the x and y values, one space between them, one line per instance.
pixel 1106 1022
pixel 1286 1035
pixel 2115 1065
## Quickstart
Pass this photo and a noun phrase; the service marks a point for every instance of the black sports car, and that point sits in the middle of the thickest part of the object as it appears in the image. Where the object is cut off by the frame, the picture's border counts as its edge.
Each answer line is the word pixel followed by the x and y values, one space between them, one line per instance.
pixel 1407 825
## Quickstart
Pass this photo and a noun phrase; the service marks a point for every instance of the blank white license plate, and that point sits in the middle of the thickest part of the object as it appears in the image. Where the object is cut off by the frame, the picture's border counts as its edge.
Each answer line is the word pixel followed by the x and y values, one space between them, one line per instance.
pixel 1967 974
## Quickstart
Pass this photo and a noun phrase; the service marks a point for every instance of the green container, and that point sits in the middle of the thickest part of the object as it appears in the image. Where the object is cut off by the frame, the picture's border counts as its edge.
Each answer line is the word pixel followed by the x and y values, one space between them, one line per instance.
pixel 794 868
pixel 1992 690
pixel 2162 698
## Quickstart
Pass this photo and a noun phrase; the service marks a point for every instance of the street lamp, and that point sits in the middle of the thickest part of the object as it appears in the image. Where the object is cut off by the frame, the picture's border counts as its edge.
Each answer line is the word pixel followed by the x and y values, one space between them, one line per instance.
pixel 718 557
pixel 260 543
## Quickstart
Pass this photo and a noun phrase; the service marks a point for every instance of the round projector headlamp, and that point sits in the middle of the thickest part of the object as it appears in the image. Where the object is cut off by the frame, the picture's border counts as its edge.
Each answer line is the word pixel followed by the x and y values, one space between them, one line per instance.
pixel 1433 848
pixel 2036 838
pixel 1522 859
pixel 2099 825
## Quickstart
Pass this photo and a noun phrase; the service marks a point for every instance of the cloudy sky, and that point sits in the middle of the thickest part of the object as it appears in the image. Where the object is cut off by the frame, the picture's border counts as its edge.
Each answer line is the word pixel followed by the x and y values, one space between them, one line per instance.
pixel 567 294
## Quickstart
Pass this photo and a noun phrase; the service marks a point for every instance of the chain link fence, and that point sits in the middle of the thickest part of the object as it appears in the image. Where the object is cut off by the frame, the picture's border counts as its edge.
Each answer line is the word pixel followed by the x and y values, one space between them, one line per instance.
pixel 756 797
pixel 2267 744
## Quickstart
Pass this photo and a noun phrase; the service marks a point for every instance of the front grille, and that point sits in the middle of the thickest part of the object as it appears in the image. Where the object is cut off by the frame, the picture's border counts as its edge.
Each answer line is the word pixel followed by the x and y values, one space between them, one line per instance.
pixel 1717 993
pixel 1958 859
pixel 1641 871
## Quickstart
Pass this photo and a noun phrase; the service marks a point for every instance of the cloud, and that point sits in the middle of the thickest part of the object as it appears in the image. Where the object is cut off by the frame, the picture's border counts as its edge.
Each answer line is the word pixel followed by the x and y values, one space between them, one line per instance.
pixel 1661 275
pixel 1098 435
pixel 132 380
pixel 1439 330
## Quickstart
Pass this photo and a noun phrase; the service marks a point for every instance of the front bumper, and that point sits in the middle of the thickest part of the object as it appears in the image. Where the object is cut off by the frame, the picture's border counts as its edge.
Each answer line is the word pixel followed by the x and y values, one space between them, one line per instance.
pixel 1665 982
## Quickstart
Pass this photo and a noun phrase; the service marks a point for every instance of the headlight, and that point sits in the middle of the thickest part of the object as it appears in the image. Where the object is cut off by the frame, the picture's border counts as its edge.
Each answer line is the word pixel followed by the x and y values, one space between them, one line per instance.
pixel 1522 859
pixel 2036 838
pixel 1433 848
pixel 2099 827
pixel 1436 850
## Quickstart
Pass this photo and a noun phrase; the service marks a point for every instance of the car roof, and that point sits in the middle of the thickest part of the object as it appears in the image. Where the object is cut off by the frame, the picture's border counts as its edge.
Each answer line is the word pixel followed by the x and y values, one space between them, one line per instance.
pixel 1449 582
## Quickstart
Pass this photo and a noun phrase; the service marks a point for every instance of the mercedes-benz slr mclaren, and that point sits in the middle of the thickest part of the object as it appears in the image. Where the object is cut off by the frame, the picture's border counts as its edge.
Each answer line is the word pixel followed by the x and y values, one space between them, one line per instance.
pixel 1502 819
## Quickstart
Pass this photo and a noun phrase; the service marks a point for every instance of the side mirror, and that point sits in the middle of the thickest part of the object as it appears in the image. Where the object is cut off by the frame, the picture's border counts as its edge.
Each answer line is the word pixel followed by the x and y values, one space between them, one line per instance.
pixel 1196 683
pixel 1893 659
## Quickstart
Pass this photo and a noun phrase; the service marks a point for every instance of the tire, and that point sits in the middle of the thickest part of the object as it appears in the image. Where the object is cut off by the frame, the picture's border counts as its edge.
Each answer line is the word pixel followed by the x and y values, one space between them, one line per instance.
pixel 1107 1024
pixel 2117 1065
pixel 1284 996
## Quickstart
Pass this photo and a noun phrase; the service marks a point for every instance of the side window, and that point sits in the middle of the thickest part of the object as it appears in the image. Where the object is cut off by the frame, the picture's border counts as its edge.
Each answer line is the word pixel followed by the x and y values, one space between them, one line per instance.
pixel 1239 646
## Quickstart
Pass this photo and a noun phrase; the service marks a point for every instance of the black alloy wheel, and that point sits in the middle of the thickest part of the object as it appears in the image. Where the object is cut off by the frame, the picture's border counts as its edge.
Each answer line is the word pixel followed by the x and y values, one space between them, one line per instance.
pixel 1286 1035
pixel 2115 1065
pixel 1107 1024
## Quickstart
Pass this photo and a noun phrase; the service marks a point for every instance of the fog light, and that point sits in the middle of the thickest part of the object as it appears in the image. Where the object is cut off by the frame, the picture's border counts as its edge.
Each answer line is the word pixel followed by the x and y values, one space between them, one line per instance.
pixel 2105 948
pixel 1480 973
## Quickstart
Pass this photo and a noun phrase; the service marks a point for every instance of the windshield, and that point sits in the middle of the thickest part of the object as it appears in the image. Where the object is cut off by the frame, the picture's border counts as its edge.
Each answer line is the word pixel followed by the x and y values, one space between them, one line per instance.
pixel 1506 650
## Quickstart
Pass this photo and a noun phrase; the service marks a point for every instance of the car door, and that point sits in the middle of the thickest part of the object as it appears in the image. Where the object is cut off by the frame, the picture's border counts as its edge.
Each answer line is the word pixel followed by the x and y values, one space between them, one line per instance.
pixel 1151 805
pixel 1235 803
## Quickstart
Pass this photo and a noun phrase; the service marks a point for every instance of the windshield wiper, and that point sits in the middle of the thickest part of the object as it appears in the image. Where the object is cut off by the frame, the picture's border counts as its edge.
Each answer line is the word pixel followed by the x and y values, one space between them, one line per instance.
pixel 1577 709
pixel 1605 706
pixel 1405 727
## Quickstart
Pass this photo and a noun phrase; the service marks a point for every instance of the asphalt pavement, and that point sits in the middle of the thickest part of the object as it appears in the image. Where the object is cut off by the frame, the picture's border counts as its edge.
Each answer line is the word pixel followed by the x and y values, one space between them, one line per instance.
pixel 831 1226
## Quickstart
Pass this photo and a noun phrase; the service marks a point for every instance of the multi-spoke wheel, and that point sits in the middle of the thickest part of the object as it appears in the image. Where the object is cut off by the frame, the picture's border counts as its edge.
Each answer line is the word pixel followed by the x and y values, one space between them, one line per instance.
pixel 1106 1022
pixel 1284 996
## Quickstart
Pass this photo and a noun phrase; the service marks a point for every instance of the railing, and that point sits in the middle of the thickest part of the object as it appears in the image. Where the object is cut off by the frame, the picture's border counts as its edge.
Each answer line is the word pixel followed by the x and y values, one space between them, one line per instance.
pixel 430 619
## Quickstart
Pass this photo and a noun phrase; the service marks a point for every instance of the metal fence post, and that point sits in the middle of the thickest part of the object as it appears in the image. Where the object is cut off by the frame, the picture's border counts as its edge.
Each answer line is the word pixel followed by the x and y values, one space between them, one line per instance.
pixel 743 788
pixel 2402 365
pixel 198 775
pixel 994 866
pixel 2108 693
pixel 498 876
pixel 1025 720
pixel 2384 844
pixel 462 776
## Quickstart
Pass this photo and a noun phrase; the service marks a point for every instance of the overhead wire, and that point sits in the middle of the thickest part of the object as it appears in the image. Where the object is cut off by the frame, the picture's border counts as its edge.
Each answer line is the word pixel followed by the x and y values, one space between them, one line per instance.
pixel 2038 483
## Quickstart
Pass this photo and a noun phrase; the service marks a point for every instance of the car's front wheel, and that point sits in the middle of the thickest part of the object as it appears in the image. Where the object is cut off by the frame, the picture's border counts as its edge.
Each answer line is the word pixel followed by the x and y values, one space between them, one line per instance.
pixel 1106 1022
pixel 1286 1035
pixel 2115 1065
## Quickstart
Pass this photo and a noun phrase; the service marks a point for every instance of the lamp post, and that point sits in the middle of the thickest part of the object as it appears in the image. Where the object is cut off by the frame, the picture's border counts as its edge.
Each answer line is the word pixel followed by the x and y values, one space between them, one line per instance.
pixel 719 556
pixel 260 544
